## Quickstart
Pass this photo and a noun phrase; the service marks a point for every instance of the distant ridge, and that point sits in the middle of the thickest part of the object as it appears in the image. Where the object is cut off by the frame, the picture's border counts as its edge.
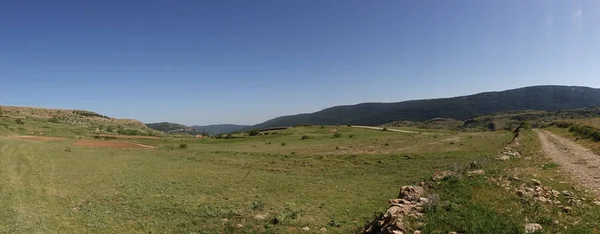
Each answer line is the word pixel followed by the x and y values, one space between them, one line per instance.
pixel 548 98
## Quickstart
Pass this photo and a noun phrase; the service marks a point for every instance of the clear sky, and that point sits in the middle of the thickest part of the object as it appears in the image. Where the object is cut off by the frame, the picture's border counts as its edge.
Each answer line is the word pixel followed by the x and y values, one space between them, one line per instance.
pixel 208 62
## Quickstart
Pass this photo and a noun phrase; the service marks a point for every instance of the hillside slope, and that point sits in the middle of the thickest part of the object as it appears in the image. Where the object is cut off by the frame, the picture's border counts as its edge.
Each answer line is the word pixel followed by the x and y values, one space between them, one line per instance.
pixel 88 119
pixel 173 128
pixel 548 98
pixel 219 128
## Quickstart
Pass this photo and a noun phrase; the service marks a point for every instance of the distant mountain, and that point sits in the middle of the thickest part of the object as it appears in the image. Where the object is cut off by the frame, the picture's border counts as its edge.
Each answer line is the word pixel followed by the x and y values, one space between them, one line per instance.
pixel 210 129
pixel 548 98
pixel 173 128
pixel 220 128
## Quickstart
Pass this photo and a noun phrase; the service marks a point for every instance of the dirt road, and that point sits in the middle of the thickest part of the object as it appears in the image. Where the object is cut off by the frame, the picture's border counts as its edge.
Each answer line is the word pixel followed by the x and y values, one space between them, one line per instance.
pixel 389 129
pixel 581 163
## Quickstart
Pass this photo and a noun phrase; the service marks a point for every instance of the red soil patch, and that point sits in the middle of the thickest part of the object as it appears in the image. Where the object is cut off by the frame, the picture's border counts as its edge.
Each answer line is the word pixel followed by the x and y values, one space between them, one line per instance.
pixel 40 138
pixel 128 137
pixel 110 144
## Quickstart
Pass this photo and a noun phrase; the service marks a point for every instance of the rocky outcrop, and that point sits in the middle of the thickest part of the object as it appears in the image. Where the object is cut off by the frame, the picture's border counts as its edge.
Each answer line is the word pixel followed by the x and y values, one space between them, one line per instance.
pixel 409 205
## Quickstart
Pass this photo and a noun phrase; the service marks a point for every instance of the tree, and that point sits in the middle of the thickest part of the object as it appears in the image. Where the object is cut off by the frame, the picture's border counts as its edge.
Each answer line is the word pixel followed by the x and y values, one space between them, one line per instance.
pixel 253 132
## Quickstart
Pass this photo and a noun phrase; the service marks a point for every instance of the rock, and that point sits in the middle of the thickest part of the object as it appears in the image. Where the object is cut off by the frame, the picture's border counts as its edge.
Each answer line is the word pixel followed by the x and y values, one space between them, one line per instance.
pixel 224 220
pixel 567 209
pixel 441 175
pixel 306 229
pixel 411 193
pixel 567 193
pixel 536 182
pixel 596 202
pixel 520 193
pixel 503 158
pixel 239 226
pixel 417 232
pixel 542 199
pixel 555 193
pixel 323 229
pixel 397 232
pixel 260 217
pixel 451 232
pixel 532 227
pixel 476 172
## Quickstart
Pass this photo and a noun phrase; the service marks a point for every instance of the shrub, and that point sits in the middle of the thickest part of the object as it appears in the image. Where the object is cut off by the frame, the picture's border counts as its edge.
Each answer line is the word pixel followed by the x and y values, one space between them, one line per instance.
pixel 54 120
pixel 384 129
pixel 229 136
pixel 351 136
pixel 183 146
pixel 304 137
pixel 19 121
pixel 258 205
pixel 109 128
pixel 283 144
pixel 337 135
pixel 253 132
pixel 349 125
pixel 68 149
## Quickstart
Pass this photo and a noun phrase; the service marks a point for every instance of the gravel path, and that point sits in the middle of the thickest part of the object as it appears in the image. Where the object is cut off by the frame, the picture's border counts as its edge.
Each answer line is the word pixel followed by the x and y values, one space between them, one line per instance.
pixel 581 163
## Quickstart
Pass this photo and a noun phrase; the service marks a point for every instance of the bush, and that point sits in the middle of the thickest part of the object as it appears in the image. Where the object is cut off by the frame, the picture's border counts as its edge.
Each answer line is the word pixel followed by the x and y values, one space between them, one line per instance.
pixel 283 144
pixel 183 146
pixel 19 121
pixel 68 149
pixel 54 120
pixel 258 205
pixel 337 135
pixel 254 132
pixel 109 128
pixel 351 136
pixel 304 137
pixel 384 129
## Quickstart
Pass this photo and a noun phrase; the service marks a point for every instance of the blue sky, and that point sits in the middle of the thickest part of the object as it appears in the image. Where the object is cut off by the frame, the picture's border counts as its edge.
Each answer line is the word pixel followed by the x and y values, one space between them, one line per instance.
pixel 207 62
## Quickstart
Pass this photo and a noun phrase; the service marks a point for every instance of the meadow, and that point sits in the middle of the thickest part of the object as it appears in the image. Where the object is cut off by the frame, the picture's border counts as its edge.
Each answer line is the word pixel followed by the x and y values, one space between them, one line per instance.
pixel 277 182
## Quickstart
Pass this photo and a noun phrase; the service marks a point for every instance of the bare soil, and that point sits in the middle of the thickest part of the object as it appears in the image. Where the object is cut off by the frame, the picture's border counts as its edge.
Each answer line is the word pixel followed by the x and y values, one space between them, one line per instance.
pixel 110 144
pixel 581 163
pixel 40 138
pixel 128 137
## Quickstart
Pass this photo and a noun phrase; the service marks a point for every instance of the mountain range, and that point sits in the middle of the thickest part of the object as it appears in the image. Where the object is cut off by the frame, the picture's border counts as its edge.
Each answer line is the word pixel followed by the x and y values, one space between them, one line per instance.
pixel 547 98
pixel 543 98
pixel 203 130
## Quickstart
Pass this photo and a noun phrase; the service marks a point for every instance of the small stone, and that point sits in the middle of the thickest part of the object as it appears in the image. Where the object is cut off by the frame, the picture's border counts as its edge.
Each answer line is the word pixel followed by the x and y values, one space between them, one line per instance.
pixel 224 220
pixel 532 227
pixel 323 229
pixel 417 232
pixel 239 226
pixel 306 229
pixel 567 209
pixel 397 232
pixel 535 182
pixel 567 193
pixel 597 203
pixel 476 172
pixel 503 158
pixel 260 217
pixel 451 232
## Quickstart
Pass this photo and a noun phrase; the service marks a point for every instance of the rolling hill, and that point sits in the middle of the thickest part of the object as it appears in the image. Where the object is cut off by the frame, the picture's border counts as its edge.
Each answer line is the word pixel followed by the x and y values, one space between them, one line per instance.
pixel 173 128
pixel 547 98
pixel 82 119
pixel 219 128
pixel 204 130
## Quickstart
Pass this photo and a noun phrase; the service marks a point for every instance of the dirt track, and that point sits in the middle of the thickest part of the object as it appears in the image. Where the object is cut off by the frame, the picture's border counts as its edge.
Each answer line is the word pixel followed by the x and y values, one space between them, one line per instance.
pixel 40 138
pixel 389 129
pixel 581 163
pixel 110 144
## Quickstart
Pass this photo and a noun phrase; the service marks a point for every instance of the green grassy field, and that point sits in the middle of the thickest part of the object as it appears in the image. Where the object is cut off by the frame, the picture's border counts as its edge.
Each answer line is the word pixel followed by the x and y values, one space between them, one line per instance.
pixel 257 183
